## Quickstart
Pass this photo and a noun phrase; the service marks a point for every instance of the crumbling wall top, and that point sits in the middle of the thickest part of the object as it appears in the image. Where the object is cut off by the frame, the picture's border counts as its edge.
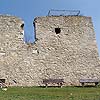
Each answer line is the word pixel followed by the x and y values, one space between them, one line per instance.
pixel 11 24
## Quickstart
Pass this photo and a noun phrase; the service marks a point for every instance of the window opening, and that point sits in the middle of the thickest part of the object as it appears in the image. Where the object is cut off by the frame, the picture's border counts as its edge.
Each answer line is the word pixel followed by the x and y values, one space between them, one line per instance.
pixel 22 26
pixel 57 30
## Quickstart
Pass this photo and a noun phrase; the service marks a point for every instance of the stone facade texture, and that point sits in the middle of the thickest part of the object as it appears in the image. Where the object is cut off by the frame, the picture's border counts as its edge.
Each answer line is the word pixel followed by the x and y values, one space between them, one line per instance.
pixel 70 54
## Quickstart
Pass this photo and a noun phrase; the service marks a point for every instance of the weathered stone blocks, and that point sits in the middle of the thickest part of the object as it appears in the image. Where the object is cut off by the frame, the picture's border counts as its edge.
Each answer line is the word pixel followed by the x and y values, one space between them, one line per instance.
pixel 71 54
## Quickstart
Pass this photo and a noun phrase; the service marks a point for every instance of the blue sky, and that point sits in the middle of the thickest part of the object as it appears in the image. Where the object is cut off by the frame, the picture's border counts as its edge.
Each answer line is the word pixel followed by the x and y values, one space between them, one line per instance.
pixel 29 9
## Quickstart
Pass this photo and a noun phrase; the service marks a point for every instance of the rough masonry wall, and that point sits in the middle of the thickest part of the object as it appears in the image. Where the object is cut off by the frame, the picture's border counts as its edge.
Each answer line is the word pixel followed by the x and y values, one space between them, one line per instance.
pixel 72 54
pixel 10 44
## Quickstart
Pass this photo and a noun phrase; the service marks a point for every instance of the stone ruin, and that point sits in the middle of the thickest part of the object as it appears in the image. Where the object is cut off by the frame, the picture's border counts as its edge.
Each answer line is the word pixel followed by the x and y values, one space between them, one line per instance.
pixel 65 47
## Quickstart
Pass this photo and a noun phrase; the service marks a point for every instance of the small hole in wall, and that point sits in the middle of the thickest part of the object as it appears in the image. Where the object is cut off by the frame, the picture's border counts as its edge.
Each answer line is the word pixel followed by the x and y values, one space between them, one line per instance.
pixel 22 26
pixel 57 30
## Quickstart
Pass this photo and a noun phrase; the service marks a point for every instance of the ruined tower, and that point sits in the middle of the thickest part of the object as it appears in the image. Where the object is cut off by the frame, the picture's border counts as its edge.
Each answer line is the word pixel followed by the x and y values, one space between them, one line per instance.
pixel 65 47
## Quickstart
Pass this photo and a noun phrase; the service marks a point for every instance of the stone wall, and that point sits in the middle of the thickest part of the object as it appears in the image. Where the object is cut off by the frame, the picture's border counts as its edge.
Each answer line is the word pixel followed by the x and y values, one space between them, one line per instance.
pixel 71 54
pixel 11 41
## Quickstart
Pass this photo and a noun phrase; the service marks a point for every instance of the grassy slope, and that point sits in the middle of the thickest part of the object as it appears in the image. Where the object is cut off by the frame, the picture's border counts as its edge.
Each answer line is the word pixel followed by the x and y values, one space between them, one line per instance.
pixel 37 93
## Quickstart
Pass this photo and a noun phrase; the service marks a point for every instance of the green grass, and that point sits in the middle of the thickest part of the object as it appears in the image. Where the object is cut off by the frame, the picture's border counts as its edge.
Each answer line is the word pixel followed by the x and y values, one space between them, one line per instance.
pixel 51 93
